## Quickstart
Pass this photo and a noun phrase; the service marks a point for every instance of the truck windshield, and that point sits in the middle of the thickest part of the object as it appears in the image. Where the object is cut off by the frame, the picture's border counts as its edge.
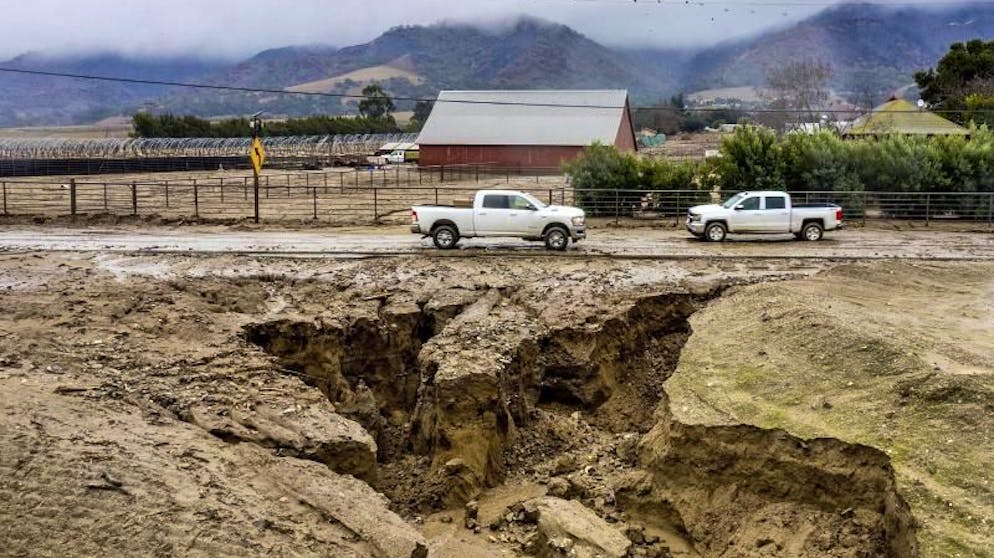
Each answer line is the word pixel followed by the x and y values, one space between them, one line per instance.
pixel 734 200
pixel 534 201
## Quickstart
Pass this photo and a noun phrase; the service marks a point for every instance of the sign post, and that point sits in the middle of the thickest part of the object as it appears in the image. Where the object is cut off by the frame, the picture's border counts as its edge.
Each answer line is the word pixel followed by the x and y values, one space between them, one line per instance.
pixel 258 156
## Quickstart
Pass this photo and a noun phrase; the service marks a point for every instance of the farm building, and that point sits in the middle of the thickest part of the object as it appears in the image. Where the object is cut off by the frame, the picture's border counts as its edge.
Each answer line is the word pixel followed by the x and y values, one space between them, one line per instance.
pixel 523 129
pixel 898 116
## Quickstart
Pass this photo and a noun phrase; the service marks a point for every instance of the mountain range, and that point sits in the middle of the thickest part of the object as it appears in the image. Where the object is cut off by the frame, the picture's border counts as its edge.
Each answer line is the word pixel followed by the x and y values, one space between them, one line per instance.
pixel 873 50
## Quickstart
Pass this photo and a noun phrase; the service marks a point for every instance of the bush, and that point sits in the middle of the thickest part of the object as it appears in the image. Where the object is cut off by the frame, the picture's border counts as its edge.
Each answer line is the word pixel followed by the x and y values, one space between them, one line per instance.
pixel 755 159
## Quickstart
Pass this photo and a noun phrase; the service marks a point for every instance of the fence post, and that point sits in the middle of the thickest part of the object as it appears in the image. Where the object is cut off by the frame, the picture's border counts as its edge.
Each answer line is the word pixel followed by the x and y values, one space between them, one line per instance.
pixel 196 199
pixel 4 198
pixel 928 206
pixel 315 194
pixel 376 212
pixel 326 182
pixel 550 197
pixel 244 187
pixel 222 191
pixel 134 199
pixel 990 208
pixel 106 205
pixel 288 185
pixel 72 196
pixel 477 168
pixel 678 209
pixel 441 179
pixel 167 194
pixel 617 207
pixel 436 196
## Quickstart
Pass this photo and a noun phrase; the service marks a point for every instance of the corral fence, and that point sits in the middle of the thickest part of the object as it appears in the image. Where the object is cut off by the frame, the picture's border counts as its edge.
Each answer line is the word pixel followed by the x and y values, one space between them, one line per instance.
pixel 338 196
pixel 857 206
pixel 355 196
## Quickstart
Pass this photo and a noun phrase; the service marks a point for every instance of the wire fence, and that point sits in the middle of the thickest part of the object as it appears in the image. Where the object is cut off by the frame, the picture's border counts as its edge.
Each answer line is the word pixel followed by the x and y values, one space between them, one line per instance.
pixel 859 206
pixel 341 196
pixel 359 196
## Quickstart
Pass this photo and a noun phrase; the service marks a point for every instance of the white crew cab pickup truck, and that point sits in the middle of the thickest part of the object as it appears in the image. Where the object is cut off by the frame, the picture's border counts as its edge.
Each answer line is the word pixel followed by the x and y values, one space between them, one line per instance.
pixel 763 213
pixel 500 213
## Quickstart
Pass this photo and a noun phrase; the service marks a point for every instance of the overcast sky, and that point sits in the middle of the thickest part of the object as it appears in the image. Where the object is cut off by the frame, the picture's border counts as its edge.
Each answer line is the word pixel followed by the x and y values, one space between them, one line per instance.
pixel 238 28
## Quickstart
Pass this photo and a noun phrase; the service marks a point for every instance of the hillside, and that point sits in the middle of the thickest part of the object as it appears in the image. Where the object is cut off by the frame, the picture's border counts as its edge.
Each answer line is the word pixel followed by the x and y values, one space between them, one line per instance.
pixel 419 61
pixel 873 49
pixel 33 100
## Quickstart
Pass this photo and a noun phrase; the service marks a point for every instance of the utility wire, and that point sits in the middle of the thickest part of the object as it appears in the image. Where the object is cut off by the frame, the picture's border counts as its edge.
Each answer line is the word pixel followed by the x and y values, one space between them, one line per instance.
pixel 668 108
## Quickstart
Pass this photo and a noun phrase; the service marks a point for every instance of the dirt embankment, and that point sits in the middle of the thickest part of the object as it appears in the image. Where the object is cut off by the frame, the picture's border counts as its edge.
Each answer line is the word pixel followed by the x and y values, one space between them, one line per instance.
pixel 295 378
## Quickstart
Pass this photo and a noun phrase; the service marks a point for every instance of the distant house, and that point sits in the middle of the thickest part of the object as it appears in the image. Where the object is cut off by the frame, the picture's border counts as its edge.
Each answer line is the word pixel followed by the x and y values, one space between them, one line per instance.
pixel 523 129
pixel 898 116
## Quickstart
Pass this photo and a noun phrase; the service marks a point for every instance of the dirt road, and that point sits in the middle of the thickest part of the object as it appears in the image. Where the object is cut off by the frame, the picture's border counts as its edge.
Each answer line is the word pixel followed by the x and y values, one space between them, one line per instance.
pixel 394 240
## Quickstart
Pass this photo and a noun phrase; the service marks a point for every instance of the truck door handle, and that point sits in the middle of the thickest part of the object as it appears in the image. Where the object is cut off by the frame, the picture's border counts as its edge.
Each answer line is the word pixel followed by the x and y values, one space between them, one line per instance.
pixel 481 213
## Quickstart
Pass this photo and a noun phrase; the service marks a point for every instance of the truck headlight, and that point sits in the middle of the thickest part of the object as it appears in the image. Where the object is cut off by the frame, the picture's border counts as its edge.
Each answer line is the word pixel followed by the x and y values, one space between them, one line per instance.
pixel 578 221
pixel 695 218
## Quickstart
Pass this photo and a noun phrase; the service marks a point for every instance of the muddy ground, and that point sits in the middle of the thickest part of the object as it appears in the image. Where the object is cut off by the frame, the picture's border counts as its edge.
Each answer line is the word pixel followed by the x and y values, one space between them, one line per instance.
pixel 408 406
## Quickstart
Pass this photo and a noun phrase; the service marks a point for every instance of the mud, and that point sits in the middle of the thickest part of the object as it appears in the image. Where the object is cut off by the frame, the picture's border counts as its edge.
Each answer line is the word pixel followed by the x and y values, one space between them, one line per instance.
pixel 433 396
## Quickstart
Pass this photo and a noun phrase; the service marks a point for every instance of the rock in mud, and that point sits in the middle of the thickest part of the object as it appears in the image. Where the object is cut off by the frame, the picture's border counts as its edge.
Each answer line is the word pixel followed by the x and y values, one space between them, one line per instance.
pixel 313 432
pixel 588 535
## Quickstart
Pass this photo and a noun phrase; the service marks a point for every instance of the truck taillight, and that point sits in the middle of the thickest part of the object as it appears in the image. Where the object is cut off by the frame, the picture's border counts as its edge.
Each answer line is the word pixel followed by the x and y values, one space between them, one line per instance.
pixel 838 215
pixel 414 217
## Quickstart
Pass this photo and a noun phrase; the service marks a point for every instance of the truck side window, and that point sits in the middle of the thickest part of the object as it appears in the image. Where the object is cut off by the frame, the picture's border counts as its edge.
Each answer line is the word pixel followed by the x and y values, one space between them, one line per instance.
pixel 495 201
pixel 750 203
pixel 517 202
pixel 776 203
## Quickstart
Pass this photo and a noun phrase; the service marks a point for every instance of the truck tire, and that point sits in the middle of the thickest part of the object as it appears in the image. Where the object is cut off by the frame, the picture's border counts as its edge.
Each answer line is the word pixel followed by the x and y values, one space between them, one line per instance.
pixel 812 232
pixel 445 237
pixel 715 232
pixel 556 238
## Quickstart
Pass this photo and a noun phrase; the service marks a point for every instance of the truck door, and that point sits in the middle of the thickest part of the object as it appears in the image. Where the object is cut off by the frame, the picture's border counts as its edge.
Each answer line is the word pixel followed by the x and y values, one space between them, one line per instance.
pixel 747 215
pixel 775 215
pixel 522 218
pixel 492 217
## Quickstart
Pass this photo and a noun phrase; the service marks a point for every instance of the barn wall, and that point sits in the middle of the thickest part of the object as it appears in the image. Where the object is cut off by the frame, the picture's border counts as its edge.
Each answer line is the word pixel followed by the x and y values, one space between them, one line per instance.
pixel 502 156
pixel 625 141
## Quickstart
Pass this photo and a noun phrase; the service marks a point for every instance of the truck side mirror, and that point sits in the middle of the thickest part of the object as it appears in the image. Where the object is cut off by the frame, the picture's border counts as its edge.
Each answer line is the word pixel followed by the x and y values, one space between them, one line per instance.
pixel 739 207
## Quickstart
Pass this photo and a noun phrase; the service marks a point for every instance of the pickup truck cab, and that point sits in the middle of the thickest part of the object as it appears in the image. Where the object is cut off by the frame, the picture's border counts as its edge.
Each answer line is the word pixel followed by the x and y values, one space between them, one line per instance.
pixel 498 213
pixel 763 213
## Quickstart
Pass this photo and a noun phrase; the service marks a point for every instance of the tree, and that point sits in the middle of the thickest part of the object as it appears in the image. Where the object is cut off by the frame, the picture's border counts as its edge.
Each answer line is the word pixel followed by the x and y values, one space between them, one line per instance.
pixel 801 85
pixel 422 110
pixel 375 103
pixel 962 80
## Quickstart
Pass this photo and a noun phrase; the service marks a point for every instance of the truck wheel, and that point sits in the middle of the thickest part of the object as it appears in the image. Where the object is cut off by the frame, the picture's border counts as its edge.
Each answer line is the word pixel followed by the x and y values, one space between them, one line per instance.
pixel 715 232
pixel 445 237
pixel 556 239
pixel 812 232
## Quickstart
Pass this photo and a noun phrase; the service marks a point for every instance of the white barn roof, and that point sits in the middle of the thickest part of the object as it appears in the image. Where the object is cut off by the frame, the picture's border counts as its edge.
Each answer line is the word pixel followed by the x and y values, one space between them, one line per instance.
pixel 565 118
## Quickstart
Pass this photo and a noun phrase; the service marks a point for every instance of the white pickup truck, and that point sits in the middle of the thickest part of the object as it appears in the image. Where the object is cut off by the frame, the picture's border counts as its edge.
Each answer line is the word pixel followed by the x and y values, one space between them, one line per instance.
pixel 500 213
pixel 763 213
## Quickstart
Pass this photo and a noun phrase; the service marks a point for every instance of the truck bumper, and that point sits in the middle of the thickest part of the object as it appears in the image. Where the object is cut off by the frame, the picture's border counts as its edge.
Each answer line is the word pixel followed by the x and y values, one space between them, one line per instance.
pixel 579 234
pixel 416 229
pixel 695 227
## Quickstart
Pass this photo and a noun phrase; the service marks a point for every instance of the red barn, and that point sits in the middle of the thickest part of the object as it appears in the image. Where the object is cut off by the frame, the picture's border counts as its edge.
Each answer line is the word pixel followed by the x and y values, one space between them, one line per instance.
pixel 523 129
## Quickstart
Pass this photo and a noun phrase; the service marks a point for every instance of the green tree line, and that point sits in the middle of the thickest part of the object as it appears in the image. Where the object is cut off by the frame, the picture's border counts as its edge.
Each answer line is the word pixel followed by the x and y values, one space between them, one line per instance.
pixel 755 158
pixel 172 126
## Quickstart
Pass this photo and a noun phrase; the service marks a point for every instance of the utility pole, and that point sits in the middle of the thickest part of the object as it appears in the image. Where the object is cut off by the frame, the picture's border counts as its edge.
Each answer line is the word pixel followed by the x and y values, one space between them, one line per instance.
pixel 258 156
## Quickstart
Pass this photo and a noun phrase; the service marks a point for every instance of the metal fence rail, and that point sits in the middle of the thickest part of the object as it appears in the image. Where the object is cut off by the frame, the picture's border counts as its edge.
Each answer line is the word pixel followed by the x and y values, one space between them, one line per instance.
pixel 366 196
pixel 860 206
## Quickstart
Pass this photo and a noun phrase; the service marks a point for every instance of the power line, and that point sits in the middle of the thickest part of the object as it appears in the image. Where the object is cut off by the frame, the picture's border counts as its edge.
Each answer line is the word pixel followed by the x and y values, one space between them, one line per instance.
pixel 668 108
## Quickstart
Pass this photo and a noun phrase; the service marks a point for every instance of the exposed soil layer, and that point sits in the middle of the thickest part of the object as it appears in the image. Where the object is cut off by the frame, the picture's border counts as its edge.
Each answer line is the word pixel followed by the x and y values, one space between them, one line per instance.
pixel 464 404
pixel 249 400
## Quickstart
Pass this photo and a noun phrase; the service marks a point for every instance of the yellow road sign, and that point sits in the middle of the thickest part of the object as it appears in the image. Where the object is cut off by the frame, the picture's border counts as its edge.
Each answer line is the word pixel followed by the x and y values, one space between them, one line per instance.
pixel 258 155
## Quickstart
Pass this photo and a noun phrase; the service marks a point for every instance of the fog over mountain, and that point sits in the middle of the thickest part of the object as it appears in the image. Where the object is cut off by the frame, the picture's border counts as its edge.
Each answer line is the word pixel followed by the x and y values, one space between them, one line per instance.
pixel 873 50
